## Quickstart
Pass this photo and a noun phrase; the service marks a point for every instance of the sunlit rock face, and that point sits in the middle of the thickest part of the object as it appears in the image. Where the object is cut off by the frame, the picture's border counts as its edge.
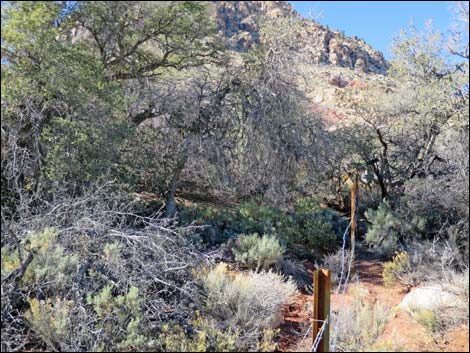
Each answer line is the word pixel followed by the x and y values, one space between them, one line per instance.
pixel 239 22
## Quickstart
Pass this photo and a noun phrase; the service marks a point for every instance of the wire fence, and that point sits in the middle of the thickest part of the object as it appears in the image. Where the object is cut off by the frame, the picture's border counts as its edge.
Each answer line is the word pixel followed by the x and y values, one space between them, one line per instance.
pixel 344 278
pixel 342 286
pixel 319 335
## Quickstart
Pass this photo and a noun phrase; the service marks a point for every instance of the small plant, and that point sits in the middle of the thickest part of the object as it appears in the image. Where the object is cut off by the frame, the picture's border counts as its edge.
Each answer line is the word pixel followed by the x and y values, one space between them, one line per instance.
pixel 360 323
pixel 204 337
pixel 51 264
pixel 307 205
pixel 333 262
pixel 258 252
pixel 389 228
pixel 120 318
pixel 395 270
pixel 250 302
pixel 50 320
pixel 425 317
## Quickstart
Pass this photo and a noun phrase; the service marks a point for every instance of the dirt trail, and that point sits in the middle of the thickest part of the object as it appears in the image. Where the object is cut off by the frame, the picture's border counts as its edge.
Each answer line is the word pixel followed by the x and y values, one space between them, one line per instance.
pixel 401 332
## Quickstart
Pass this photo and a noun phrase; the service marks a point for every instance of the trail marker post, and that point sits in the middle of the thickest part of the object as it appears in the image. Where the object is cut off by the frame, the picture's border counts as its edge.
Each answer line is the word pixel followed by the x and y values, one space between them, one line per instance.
pixel 321 308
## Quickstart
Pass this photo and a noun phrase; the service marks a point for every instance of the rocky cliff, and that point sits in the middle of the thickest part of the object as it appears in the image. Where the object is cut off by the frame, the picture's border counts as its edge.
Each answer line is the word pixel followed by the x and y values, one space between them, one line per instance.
pixel 239 22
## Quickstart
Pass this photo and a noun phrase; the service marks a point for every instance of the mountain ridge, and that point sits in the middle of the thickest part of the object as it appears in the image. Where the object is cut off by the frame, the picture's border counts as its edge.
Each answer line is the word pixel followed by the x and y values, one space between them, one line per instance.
pixel 239 23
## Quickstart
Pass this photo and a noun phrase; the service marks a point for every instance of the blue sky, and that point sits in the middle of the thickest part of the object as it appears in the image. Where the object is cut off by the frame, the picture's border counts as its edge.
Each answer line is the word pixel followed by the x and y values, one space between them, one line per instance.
pixel 378 22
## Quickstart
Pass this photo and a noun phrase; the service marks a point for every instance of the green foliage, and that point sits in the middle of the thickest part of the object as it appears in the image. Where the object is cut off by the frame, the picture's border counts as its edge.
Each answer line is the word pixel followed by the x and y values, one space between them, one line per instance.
pixel 389 227
pixel 308 230
pixel 50 319
pixel 425 317
pixel 395 270
pixel 307 205
pixel 257 252
pixel 206 338
pixel 83 153
pixel 308 233
pixel 261 219
pixel 51 264
pixel 120 317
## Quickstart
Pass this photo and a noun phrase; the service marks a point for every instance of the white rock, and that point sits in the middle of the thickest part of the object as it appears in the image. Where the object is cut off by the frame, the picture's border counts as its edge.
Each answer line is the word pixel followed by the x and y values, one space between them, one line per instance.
pixel 428 298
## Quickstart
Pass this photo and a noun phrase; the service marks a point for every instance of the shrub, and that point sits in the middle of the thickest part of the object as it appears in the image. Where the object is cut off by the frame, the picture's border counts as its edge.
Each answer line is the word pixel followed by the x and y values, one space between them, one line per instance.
pixel 136 272
pixel 307 204
pixel 50 319
pixel 308 233
pixel 448 317
pixel 395 270
pixel 258 252
pixel 308 230
pixel 120 319
pixel 261 219
pixel 424 317
pixel 333 262
pixel 204 336
pixel 389 227
pixel 51 268
pixel 360 323
pixel 250 302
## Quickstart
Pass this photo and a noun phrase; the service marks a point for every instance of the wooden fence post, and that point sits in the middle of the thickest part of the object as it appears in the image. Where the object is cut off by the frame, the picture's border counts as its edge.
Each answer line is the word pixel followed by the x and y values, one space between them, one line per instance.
pixel 353 210
pixel 354 191
pixel 321 307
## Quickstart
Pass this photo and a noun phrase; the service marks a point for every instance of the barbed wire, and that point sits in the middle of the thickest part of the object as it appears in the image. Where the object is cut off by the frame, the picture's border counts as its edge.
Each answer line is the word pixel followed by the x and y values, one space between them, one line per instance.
pixel 319 335
pixel 343 251
pixel 340 282
pixel 308 331
pixel 346 281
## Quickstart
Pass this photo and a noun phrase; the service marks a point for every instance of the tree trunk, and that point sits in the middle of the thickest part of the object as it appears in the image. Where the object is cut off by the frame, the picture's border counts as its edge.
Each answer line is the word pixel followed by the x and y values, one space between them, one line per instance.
pixel 170 205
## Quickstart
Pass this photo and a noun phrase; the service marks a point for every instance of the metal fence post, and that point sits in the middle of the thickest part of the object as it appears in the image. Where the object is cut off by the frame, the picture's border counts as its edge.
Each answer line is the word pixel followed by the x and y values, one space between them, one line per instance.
pixel 321 307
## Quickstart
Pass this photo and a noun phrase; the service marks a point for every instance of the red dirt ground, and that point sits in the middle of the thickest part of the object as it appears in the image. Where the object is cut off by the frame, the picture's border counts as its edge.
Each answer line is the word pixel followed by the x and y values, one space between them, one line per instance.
pixel 401 331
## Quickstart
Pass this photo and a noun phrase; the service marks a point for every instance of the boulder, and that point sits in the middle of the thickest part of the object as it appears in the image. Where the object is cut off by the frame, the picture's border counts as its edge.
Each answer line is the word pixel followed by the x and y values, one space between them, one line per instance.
pixel 429 298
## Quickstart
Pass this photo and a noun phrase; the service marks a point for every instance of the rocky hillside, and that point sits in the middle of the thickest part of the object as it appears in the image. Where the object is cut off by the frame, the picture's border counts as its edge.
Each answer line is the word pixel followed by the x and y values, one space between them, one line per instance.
pixel 239 21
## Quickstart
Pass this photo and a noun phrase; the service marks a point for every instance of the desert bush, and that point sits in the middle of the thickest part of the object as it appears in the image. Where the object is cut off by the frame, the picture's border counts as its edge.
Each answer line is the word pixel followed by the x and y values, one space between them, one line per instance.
pixel 256 218
pixel 204 337
pixel 94 246
pixel 120 319
pixel 424 317
pixel 51 320
pixel 448 317
pixel 297 272
pixel 333 262
pixel 311 205
pixel 217 225
pixel 396 269
pixel 431 261
pixel 308 204
pixel 303 232
pixel 360 323
pixel 257 252
pixel 250 302
pixel 389 228
pixel 52 267
pixel 308 234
